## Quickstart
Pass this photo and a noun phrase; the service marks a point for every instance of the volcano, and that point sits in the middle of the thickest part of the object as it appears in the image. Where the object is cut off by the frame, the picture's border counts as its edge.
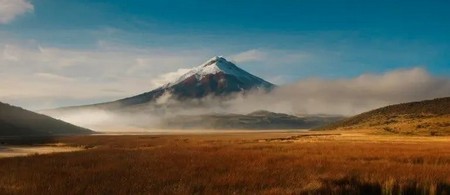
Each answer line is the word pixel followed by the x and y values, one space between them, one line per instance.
pixel 217 77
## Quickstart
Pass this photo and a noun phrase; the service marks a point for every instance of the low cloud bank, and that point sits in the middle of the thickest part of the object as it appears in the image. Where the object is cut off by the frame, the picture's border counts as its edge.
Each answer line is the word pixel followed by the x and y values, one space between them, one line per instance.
pixel 305 97
pixel 103 120
pixel 347 96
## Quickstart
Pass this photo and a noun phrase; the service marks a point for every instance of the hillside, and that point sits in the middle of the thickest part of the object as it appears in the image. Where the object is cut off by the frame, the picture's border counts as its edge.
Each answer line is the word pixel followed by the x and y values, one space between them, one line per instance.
pixel 15 121
pixel 429 117
pixel 255 120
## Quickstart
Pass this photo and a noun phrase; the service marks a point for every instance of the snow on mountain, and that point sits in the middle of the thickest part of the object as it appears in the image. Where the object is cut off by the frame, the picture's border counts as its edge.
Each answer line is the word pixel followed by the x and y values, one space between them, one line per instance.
pixel 215 65
pixel 215 77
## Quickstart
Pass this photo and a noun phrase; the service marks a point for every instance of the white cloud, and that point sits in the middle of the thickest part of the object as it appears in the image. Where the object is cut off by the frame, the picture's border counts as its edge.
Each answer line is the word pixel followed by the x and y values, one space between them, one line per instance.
pixel 169 77
pixel 31 73
pixel 10 9
pixel 248 56
pixel 39 77
pixel 313 96
pixel 271 56
pixel 347 96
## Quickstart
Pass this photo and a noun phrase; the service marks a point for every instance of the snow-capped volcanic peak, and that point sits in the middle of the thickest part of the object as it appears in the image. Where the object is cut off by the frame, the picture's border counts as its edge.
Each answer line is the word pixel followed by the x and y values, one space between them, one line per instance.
pixel 216 77
pixel 213 66
pixel 218 64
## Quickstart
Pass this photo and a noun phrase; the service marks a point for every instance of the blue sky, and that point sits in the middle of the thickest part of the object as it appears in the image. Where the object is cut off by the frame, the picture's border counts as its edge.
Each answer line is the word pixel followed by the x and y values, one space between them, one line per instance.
pixel 371 36
pixel 281 41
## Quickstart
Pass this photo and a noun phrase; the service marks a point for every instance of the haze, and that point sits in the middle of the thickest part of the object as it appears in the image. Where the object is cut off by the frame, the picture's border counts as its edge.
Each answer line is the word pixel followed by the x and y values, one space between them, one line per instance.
pixel 337 70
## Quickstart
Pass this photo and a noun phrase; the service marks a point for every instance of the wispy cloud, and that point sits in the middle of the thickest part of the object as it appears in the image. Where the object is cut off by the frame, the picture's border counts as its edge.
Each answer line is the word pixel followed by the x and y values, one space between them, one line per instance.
pixel 169 77
pixel 271 56
pixel 248 56
pixel 347 96
pixel 38 77
pixel 31 73
pixel 10 9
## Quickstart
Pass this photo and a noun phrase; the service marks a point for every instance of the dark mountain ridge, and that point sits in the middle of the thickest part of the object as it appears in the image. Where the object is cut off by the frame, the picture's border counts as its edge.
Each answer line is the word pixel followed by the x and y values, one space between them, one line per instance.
pixel 15 121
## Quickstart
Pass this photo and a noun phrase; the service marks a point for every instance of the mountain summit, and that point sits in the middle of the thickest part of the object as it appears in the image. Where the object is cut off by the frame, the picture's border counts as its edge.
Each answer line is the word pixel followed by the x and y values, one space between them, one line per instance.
pixel 215 77
pixel 218 67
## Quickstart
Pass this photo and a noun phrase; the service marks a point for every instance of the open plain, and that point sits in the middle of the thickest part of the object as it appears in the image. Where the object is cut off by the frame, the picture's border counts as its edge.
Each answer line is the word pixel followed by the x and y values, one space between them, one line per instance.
pixel 236 163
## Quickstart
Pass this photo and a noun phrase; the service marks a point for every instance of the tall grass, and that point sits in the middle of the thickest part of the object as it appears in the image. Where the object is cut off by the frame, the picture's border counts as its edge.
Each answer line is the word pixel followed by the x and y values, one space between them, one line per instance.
pixel 236 165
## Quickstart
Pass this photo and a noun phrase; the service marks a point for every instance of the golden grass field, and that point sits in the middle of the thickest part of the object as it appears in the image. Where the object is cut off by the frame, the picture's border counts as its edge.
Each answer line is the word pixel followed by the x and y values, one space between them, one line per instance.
pixel 406 125
pixel 236 163
pixel 423 118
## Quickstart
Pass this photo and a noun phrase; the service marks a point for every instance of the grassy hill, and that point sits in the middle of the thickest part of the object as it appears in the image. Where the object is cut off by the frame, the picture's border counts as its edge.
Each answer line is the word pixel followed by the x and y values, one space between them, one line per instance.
pixel 15 121
pixel 429 117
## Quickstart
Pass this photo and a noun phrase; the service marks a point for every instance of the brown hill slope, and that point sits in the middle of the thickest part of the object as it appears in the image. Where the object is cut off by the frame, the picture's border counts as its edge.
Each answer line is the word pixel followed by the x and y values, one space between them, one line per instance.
pixel 15 121
pixel 430 117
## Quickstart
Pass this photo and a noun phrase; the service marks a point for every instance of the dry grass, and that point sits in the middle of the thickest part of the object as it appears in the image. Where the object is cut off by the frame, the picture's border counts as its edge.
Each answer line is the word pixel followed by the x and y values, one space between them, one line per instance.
pixel 429 117
pixel 235 164
pixel 406 125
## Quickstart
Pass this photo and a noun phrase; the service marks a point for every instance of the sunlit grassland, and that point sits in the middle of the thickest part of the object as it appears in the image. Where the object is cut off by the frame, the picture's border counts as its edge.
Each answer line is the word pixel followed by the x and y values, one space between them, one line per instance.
pixel 242 163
